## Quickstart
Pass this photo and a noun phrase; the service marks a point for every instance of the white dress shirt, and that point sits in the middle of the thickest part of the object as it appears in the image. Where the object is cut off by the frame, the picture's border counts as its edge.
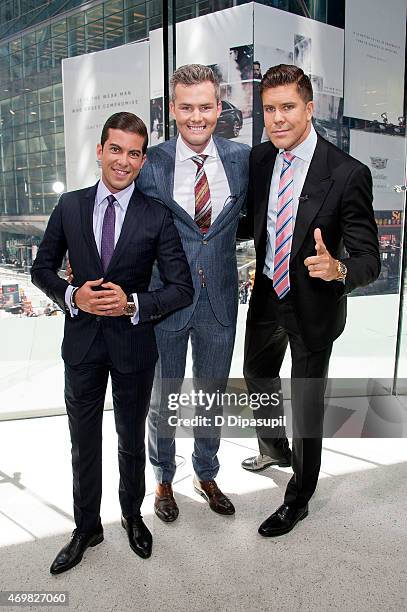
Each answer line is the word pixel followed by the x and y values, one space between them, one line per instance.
pixel 303 155
pixel 122 199
pixel 184 178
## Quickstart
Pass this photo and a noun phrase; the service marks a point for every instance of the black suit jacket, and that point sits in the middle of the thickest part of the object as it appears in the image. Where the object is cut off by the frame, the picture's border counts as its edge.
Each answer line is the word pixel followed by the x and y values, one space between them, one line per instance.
pixel 148 234
pixel 338 198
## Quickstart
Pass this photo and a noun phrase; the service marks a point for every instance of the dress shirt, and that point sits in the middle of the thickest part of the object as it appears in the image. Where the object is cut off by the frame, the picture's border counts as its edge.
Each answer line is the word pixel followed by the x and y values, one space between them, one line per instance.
pixel 184 178
pixel 122 199
pixel 303 155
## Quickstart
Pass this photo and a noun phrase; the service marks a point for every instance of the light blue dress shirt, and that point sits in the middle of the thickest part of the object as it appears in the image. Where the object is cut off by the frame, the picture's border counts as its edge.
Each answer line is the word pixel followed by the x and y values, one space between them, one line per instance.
pixel 303 156
pixel 122 201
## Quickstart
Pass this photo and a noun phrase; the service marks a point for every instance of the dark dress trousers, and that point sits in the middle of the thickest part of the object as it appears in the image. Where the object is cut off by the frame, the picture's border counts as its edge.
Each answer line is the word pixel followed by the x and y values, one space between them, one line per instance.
pixel 337 198
pixel 96 346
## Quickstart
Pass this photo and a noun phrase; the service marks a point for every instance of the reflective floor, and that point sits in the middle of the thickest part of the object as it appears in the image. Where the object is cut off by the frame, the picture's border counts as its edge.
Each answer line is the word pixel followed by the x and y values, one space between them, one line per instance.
pixel 349 554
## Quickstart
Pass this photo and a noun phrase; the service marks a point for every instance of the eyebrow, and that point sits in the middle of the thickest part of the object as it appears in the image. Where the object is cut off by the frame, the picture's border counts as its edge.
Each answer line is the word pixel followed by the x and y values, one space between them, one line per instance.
pixel 113 144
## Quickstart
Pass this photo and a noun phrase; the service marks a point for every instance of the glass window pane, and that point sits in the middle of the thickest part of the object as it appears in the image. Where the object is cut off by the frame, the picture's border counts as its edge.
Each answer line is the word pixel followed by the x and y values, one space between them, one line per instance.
pixel 58 28
pixel 95 29
pixel 113 6
pixel 75 21
pixel 94 14
pixel 47 111
pixel 46 95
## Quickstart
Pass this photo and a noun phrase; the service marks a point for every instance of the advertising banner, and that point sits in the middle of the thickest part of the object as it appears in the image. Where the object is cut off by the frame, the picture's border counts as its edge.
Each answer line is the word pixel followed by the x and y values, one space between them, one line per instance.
pixel 375 35
pixel 224 41
pixel 385 156
pixel 283 38
pixel 96 85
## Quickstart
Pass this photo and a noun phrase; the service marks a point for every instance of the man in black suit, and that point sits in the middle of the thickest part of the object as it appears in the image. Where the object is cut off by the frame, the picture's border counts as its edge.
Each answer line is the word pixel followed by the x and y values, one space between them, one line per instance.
pixel 113 234
pixel 308 201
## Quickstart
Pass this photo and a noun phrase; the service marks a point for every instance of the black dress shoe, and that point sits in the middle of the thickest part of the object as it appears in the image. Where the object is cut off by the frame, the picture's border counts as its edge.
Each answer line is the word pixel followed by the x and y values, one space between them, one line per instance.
pixel 282 521
pixel 71 554
pixel 261 462
pixel 140 538
pixel 165 505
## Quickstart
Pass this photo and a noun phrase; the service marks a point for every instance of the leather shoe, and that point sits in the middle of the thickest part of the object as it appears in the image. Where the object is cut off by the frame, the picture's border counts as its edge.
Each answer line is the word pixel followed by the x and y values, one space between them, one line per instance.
pixel 218 502
pixel 165 505
pixel 140 538
pixel 282 521
pixel 71 554
pixel 261 462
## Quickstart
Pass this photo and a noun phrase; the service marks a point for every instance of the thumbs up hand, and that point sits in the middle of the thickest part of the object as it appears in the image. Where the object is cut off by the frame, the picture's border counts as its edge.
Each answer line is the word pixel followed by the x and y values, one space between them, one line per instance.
pixel 321 265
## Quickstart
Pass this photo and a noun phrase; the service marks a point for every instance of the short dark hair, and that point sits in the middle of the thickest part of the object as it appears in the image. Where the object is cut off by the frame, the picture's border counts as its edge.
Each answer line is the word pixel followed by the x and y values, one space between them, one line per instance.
pixel 286 74
pixel 127 122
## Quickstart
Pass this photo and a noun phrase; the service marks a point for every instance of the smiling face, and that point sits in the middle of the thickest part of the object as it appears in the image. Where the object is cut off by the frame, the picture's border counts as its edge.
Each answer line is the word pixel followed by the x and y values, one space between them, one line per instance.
pixel 287 117
pixel 196 111
pixel 122 159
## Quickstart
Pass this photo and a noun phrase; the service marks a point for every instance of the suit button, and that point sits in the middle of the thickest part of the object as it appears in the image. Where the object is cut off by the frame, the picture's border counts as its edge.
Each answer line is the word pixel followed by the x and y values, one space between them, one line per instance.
pixel 98 319
pixel 204 242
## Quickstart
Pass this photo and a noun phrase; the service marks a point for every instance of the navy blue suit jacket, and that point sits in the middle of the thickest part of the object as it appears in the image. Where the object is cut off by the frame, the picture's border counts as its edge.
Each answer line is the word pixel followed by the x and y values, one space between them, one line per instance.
pixel 148 235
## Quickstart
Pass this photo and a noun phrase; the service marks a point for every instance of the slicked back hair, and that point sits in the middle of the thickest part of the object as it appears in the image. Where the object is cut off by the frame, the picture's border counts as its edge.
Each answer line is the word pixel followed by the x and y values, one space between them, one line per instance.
pixel 286 74
pixel 127 122
pixel 193 74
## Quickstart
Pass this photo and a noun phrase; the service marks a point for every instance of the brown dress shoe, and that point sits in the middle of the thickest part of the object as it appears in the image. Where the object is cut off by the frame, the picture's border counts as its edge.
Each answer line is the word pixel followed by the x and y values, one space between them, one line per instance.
pixel 165 505
pixel 218 502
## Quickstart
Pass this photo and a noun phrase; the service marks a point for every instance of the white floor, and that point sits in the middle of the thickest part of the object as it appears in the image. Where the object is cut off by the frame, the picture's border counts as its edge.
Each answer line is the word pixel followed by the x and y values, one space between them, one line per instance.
pixel 348 555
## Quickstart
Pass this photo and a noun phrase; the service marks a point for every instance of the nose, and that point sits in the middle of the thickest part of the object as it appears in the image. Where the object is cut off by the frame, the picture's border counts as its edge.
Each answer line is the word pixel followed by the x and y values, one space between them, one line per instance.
pixel 278 117
pixel 123 159
pixel 196 115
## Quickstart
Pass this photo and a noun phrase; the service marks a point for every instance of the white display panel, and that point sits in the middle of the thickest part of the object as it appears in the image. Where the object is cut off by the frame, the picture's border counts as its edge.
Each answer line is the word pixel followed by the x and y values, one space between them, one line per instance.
pixel 385 156
pixel 375 34
pixel 283 38
pixel 96 85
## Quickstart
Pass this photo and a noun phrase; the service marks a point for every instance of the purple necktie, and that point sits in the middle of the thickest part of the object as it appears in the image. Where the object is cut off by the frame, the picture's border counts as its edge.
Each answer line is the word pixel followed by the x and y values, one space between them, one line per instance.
pixel 107 243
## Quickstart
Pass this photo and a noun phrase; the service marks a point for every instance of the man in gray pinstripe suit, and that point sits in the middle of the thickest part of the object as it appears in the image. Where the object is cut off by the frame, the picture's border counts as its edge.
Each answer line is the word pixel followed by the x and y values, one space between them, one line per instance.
pixel 202 179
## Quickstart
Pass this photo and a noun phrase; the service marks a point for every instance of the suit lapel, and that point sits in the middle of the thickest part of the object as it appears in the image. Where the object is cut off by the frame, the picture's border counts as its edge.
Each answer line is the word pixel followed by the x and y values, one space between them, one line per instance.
pixel 316 187
pixel 128 228
pixel 231 168
pixel 164 177
pixel 263 183
pixel 87 204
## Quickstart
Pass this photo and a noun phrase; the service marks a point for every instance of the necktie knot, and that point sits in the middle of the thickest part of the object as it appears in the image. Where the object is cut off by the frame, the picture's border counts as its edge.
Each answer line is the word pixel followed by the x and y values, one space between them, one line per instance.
pixel 111 199
pixel 288 158
pixel 199 160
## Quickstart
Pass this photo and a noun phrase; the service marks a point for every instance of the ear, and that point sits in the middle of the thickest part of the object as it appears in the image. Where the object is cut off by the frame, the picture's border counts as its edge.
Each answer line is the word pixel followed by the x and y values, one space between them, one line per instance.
pixel 172 109
pixel 99 150
pixel 143 161
pixel 310 109
pixel 219 108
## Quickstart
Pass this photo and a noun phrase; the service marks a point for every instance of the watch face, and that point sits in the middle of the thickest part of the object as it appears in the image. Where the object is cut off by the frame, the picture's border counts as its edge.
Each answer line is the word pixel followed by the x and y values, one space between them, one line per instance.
pixel 130 309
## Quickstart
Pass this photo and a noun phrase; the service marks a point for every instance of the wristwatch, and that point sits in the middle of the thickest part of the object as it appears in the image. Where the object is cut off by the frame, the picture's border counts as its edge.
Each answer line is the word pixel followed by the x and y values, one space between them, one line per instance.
pixel 341 271
pixel 130 309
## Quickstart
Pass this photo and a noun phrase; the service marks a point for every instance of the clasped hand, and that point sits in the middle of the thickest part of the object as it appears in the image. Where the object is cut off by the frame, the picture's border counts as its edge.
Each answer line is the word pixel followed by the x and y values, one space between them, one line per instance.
pixel 108 301
pixel 322 265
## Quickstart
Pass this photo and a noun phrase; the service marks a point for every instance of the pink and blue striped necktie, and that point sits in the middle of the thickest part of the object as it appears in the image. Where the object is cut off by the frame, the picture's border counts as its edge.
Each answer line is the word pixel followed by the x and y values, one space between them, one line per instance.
pixel 284 227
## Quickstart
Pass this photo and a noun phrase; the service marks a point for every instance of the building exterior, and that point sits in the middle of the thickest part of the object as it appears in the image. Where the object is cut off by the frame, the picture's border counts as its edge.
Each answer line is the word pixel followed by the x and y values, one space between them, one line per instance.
pixel 35 35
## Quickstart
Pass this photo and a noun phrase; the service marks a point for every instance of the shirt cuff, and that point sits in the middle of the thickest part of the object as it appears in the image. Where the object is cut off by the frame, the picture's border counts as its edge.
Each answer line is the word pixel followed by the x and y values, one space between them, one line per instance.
pixel 68 300
pixel 136 317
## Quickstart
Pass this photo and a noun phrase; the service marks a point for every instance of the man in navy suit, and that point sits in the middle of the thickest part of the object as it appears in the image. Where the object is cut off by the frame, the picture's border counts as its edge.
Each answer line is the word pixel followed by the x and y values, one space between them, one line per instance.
pixel 202 179
pixel 113 234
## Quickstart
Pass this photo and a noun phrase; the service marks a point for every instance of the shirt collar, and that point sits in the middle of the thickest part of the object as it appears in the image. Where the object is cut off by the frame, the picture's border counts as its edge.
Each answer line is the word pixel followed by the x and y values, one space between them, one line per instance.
pixel 305 150
pixel 122 197
pixel 184 152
